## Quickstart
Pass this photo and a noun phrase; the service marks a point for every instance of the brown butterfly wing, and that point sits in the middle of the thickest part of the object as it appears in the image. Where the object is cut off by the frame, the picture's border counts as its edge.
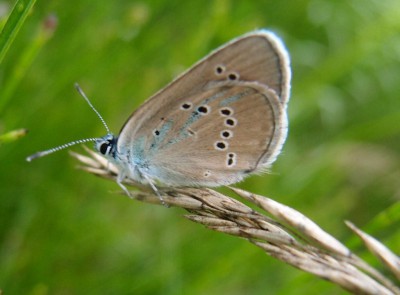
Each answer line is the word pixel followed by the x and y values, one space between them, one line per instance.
pixel 241 88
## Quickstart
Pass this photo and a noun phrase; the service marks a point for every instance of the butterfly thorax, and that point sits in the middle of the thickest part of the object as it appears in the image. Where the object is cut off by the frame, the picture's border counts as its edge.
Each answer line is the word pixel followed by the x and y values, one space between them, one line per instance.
pixel 126 164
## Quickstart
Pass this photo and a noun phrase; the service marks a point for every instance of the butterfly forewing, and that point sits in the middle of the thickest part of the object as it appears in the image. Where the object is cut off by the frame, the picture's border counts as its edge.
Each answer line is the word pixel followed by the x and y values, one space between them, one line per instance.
pixel 256 57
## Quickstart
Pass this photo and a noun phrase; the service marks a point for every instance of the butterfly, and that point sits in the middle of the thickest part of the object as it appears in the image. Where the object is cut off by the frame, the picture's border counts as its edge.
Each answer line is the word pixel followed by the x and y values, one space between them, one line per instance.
pixel 220 121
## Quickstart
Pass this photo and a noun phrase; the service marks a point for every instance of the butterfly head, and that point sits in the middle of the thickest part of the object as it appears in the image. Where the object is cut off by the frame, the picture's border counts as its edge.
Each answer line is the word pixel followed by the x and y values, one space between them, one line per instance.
pixel 107 145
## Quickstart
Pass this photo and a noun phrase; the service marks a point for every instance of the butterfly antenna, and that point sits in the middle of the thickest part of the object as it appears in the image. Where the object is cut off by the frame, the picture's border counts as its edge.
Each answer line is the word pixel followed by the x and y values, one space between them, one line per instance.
pixel 93 108
pixel 69 144
pixel 59 148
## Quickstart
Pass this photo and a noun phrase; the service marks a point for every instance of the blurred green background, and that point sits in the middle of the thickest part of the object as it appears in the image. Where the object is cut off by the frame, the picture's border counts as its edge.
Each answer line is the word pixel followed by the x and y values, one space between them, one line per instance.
pixel 63 231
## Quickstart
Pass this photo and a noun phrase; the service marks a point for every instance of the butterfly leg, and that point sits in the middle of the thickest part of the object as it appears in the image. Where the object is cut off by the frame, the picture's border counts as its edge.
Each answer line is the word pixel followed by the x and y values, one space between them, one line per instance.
pixel 120 178
pixel 154 188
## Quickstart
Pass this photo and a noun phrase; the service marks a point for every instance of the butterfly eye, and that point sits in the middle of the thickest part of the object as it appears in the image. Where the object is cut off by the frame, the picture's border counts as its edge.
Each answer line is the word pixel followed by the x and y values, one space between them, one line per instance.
pixel 105 147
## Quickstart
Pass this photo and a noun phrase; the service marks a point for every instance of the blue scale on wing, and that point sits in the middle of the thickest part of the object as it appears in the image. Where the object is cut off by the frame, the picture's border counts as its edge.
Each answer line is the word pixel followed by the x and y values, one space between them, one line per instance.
pixel 142 152
pixel 160 136
pixel 233 98
pixel 214 97
pixel 194 117
pixel 137 154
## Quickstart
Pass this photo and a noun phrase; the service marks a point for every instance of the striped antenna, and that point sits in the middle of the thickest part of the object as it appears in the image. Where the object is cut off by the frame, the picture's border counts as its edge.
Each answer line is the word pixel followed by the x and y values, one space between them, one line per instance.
pixel 69 144
pixel 58 148
pixel 93 108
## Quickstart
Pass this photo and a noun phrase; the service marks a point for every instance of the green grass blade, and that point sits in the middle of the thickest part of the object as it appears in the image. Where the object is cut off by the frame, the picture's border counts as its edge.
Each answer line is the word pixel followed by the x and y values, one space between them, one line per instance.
pixel 26 58
pixel 14 23
pixel 12 135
